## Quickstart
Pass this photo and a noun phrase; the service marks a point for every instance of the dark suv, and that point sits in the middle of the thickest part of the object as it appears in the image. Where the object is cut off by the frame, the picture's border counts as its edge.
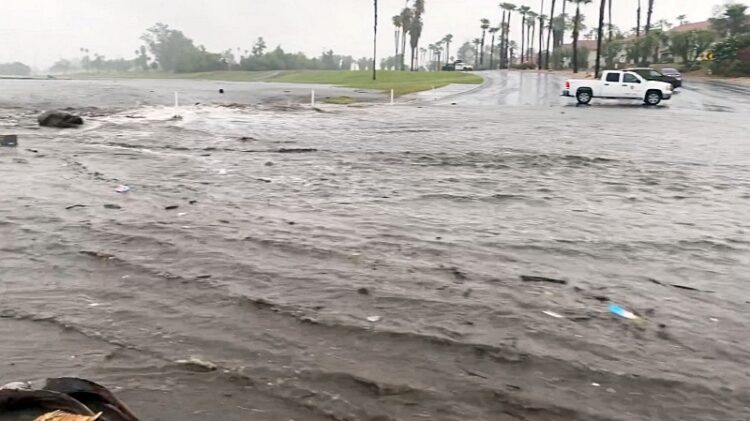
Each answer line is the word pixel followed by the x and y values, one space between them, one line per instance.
pixel 653 74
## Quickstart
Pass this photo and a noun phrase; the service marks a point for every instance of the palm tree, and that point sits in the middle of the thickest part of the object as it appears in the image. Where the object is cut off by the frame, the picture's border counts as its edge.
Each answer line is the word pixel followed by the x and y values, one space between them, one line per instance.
pixel 439 51
pixel 477 42
pixel 682 19
pixel 485 26
pixel 448 39
pixel 397 25
pixel 406 17
pixel 375 44
pixel 638 21
pixel 415 30
pixel 649 15
pixel 508 7
pixel 523 11
pixel 576 30
pixel 549 34
pixel 542 18
pixel 432 49
pixel 599 36
pixel 493 31
pixel 530 33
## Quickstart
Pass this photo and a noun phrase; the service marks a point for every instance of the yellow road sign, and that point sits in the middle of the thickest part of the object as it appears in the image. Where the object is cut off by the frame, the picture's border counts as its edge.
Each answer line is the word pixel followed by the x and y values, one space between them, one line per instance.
pixel 710 56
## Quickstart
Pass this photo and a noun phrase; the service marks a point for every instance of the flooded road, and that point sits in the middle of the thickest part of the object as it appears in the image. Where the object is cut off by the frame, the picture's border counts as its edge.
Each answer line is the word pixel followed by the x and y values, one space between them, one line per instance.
pixel 409 262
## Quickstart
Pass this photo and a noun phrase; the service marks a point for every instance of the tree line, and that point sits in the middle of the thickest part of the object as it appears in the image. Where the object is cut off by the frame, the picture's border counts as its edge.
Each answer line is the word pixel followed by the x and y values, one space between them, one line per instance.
pixel 170 50
pixel 541 44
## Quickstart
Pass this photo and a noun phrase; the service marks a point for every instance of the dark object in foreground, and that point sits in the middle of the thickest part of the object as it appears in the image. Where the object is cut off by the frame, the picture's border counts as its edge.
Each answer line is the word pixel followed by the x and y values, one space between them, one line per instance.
pixel 71 395
pixel 543 279
pixel 10 141
pixel 59 119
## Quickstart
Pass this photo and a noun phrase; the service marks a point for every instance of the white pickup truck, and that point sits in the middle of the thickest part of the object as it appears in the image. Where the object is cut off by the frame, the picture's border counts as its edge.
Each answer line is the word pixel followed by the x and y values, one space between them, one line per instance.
pixel 618 85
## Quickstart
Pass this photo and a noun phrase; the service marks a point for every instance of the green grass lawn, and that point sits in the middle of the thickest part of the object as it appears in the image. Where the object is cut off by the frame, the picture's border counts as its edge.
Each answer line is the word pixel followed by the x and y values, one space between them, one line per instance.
pixel 401 82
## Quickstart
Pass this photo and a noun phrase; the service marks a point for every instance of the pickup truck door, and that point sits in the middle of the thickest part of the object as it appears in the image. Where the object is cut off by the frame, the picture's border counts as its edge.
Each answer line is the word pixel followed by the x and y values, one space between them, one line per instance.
pixel 633 86
pixel 611 85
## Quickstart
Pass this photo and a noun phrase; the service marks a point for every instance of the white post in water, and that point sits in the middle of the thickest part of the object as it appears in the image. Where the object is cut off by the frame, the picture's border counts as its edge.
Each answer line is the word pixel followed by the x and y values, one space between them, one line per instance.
pixel 392 100
pixel 176 104
pixel 312 98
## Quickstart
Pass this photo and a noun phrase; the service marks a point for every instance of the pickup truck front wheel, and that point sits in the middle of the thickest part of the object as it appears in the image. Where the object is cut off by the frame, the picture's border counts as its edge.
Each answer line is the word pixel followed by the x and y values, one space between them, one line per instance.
pixel 653 98
pixel 584 97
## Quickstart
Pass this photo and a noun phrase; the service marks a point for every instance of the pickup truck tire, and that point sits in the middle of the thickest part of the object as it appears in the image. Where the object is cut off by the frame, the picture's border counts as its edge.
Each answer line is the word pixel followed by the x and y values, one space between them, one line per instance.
pixel 584 96
pixel 653 98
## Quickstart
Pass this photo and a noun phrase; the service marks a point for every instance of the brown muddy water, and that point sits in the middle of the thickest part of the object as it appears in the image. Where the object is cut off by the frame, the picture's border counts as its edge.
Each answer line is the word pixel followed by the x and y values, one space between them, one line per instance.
pixel 373 263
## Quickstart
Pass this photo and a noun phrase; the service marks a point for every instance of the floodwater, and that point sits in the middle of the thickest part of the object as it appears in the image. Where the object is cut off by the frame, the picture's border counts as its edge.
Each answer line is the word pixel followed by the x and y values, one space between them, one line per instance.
pixel 372 263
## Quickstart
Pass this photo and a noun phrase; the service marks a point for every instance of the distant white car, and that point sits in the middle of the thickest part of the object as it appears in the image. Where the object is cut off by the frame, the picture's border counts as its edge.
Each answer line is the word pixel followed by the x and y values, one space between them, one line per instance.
pixel 618 85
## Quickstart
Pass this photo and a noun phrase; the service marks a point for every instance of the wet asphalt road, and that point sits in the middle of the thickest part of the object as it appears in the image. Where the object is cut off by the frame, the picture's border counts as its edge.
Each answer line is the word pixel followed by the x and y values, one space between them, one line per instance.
pixel 366 263
pixel 503 88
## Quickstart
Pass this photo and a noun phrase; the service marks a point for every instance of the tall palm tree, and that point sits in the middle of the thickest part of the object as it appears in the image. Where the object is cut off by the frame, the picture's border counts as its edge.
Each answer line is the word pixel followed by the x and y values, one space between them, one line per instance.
pixel 549 34
pixel 433 53
pixel 599 36
pixel 415 33
pixel 502 37
pixel 493 31
pixel 477 42
pixel 406 16
pixel 375 44
pixel 523 11
pixel 577 30
pixel 638 20
pixel 448 39
pixel 439 51
pixel 530 33
pixel 510 8
pixel 542 19
pixel 397 25
pixel 485 26
pixel 415 30
pixel 649 15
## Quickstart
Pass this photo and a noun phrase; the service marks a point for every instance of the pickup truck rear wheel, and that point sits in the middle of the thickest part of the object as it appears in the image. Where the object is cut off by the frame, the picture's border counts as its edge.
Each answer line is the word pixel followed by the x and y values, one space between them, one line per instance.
pixel 584 97
pixel 653 98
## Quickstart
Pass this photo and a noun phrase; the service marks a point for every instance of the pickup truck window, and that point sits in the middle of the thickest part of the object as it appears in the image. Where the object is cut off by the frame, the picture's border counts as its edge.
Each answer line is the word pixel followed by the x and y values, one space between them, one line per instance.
pixel 613 77
pixel 628 78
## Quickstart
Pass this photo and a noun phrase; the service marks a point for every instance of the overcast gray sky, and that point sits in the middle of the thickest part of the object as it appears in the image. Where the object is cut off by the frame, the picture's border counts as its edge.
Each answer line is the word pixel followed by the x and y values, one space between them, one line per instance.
pixel 38 32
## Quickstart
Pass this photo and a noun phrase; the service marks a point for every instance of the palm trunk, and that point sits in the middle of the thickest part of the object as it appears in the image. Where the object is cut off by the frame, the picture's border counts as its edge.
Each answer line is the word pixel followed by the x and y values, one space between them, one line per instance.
pixel 492 52
pixel 610 21
pixel 403 49
pixel 649 16
pixel 523 37
pixel 600 35
pixel 398 40
pixel 541 36
pixel 575 39
pixel 481 59
pixel 507 40
pixel 530 44
pixel 549 34
pixel 447 51
pixel 501 58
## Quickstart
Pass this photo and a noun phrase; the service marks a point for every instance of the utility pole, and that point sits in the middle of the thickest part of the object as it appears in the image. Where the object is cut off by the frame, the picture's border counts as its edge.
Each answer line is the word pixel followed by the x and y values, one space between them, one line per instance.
pixel 375 45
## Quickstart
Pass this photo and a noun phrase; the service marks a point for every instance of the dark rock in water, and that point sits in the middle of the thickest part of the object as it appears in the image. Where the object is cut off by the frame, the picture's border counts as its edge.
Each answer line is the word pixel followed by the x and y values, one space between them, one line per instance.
pixel 112 206
pixel 171 207
pixel 363 291
pixel 221 91
pixel 59 119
